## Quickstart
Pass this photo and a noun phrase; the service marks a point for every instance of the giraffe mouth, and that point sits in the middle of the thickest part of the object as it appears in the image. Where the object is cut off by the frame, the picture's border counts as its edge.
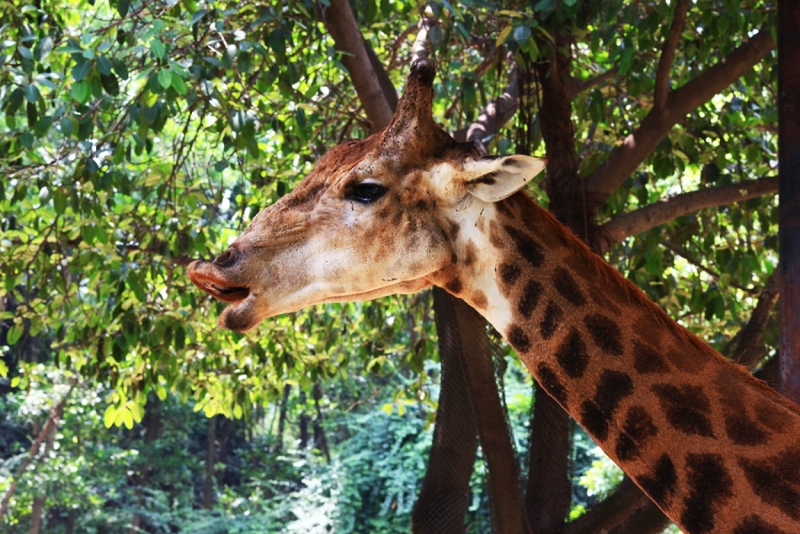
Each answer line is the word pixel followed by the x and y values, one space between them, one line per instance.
pixel 200 275
pixel 226 293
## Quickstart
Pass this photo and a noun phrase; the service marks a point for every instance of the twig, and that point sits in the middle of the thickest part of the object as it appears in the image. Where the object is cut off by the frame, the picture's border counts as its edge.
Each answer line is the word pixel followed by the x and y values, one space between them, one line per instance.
pixel 661 90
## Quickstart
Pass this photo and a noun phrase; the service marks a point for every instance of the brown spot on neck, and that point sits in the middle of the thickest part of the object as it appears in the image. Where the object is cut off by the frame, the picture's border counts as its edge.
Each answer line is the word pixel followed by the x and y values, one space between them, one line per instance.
pixel 479 300
pixel 454 286
pixel 471 253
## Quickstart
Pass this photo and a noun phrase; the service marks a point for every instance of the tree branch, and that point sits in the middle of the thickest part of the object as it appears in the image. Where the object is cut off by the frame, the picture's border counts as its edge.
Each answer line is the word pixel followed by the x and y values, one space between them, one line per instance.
pixel 498 112
pixel 648 519
pixel 342 26
pixel 387 87
pixel 748 343
pixel 661 90
pixel 548 492
pixel 610 511
pixel 638 145
pixel 445 488
pixel 658 213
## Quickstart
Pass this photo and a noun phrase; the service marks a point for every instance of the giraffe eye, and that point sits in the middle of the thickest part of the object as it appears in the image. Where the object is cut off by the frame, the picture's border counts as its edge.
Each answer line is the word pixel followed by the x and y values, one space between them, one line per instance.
pixel 365 192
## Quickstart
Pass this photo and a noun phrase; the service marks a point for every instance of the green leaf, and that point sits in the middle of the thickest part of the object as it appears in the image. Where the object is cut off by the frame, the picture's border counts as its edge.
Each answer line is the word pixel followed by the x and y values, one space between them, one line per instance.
pixel 15 100
pixel 43 48
pixel 96 86
pixel 92 166
pixel 26 140
pixel 32 114
pixel 43 126
pixel 31 93
pixel 104 65
pixel 120 416
pixel 110 84
pixel 70 49
pixel 199 14
pixel 237 411
pixel 24 52
pixel 435 35
pixel 122 7
pixel 109 416
pixel 80 91
pixel 545 5
pixel 277 42
pixel 158 49
pixel 178 85
pixel 136 287
pixel 14 333
pixel 120 68
pixel 81 70
pixel 67 126
pixel 243 62
pixel 59 200
pixel 179 341
pixel 165 78
pixel 626 58
pixel 723 22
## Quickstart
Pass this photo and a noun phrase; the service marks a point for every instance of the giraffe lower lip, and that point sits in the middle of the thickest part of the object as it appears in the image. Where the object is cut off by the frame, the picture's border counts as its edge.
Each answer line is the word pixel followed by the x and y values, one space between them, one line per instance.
pixel 227 294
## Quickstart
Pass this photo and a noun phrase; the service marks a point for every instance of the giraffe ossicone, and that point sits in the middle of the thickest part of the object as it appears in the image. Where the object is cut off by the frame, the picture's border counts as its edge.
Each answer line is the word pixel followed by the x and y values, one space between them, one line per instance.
pixel 407 208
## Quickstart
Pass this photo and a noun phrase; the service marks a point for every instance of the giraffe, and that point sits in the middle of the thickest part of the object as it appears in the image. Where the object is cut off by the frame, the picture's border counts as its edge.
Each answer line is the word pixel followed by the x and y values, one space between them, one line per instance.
pixel 407 208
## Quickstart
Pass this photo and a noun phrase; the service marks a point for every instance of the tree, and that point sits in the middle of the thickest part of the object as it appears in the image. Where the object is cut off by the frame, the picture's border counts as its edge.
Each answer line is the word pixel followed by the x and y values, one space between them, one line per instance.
pixel 140 135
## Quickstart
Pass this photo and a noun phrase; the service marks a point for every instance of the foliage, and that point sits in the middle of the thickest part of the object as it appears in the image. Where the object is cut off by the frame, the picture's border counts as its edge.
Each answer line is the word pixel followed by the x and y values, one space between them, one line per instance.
pixel 89 477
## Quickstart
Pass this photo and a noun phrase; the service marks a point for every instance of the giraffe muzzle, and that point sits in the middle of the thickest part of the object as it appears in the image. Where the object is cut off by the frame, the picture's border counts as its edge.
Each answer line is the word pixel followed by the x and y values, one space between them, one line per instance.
pixel 206 277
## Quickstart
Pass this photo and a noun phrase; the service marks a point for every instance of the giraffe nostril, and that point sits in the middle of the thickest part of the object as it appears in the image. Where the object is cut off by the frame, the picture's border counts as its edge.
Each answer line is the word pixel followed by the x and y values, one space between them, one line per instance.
pixel 227 258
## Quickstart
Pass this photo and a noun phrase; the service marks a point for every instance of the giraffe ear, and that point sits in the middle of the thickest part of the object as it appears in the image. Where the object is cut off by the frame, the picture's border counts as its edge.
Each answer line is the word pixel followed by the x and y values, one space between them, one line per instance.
pixel 492 179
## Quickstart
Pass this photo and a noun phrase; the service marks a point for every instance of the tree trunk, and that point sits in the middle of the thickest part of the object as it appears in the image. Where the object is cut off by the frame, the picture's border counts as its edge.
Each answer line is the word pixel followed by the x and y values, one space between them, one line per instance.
pixel 304 420
pixel 282 417
pixel 789 176
pixel 442 503
pixel 38 501
pixel 208 483
pixel 320 441
pixel 152 428
pixel 70 523
pixel 548 495
pixel 491 420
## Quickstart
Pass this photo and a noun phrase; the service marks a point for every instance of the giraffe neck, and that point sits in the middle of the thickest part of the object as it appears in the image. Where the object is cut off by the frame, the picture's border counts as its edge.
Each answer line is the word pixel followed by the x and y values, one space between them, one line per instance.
pixel 713 447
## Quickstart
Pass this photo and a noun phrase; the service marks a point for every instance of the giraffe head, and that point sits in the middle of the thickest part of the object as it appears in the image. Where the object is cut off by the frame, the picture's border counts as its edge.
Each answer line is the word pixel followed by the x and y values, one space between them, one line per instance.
pixel 372 219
